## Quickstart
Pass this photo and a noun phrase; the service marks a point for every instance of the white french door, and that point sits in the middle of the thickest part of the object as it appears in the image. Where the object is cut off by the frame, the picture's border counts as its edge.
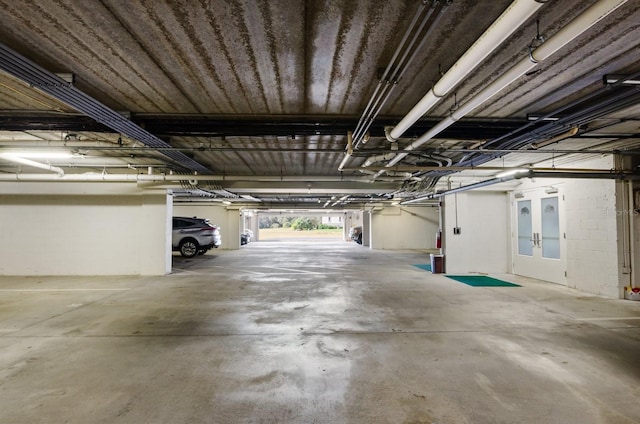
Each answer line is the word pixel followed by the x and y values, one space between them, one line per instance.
pixel 539 243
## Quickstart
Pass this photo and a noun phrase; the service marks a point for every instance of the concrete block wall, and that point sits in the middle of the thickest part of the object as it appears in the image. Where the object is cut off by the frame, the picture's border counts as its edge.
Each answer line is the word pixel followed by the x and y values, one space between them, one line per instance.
pixel 592 253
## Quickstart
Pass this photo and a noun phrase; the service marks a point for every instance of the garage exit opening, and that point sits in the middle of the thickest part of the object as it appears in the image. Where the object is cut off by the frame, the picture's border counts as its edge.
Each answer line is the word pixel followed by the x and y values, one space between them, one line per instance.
pixel 300 226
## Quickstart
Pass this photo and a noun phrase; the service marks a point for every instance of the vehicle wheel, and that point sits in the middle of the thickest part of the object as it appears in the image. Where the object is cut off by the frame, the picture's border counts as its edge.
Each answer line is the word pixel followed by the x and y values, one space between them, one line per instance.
pixel 359 241
pixel 189 248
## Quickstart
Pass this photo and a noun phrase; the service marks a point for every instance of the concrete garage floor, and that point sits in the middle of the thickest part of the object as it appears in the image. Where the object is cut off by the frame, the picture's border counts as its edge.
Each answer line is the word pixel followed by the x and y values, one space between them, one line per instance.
pixel 312 332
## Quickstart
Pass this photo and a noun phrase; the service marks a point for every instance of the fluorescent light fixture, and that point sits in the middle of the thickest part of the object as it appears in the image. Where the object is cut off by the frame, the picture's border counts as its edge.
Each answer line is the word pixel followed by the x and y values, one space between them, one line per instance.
pixel 38 155
pixel 542 118
pixel 29 162
pixel 510 172
pixel 551 190
pixel 396 203
pixel 226 202
pixel 249 197
pixel 518 195
pixel 67 77
pixel 612 79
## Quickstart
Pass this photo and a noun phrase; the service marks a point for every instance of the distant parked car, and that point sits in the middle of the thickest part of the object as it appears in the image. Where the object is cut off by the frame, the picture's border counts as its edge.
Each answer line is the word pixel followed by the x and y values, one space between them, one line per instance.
pixel 246 237
pixel 356 234
pixel 193 236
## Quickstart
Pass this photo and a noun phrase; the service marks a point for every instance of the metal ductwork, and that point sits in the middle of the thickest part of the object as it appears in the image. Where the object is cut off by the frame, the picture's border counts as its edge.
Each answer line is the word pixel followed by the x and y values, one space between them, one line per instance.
pixel 34 75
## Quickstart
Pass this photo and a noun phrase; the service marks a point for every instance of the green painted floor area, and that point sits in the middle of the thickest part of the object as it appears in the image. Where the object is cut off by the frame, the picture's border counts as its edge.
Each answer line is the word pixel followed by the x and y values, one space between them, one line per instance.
pixel 481 281
pixel 426 267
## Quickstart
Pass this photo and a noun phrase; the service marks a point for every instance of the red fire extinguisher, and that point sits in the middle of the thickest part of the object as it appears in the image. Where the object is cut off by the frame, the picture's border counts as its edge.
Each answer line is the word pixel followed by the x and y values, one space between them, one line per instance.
pixel 438 239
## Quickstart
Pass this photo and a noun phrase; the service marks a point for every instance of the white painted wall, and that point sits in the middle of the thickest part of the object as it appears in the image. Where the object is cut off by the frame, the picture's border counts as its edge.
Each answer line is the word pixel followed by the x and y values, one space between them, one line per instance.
pixel 635 219
pixel 483 243
pixel 227 219
pixel 398 227
pixel 595 231
pixel 62 234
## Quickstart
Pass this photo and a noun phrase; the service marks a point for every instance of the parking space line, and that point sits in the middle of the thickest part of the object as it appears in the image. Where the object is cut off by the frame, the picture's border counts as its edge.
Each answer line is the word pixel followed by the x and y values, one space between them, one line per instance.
pixel 608 319
pixel 59 290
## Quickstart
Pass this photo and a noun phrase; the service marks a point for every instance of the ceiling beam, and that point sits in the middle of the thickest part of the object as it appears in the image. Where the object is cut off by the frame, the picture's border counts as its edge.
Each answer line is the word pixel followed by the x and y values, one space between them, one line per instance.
pixel 252 126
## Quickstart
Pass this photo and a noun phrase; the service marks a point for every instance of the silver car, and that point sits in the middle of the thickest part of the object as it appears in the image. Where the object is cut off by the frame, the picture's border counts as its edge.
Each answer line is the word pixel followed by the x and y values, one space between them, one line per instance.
pixel 356 234
pixel 193 236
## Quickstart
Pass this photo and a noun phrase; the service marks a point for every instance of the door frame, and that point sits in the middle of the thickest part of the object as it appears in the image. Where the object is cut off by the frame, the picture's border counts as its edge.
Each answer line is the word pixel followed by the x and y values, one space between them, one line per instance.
pixel 536 266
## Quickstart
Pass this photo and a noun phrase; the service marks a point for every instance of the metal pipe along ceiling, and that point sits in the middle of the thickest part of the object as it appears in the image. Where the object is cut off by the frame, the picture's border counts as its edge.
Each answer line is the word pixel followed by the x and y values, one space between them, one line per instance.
pixel 593 174
pixel 49 83
pixel 87 177
pixel 404 54
pixel 512 142
pixel 577 26
pixel 395 70
pixel 511 19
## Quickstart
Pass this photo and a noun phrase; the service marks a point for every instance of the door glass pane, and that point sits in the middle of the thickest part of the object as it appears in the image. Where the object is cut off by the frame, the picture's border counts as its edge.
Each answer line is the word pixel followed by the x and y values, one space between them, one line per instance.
pixel 525 247
pixel 550 228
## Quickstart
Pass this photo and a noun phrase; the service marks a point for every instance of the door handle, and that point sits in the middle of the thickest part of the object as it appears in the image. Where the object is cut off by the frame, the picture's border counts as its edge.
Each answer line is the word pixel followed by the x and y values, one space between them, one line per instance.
pixel 536 239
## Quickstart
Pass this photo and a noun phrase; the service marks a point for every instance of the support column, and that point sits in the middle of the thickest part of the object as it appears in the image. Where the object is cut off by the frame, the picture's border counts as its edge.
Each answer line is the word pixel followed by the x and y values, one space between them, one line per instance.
pixel 157 209
pixel 366 228
pixel 233 229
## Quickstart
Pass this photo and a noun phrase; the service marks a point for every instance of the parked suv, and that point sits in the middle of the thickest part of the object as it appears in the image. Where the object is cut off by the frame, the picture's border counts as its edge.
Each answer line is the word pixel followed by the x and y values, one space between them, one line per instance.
pixel 356 234
pixel 193 236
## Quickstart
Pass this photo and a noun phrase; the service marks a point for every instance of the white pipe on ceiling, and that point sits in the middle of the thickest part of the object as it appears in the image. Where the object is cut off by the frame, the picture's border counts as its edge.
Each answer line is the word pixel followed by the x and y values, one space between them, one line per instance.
pixel 349 151
pixel 511 19
pixel 379 158
pixel 508 22
pixel 59 171
pixel 576 27
pixel 40 143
